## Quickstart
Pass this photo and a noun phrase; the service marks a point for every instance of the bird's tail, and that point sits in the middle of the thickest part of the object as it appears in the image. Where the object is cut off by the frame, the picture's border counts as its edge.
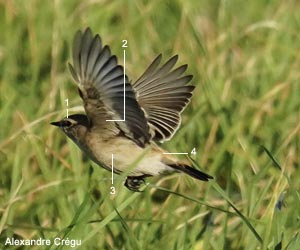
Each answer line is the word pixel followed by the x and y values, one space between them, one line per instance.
pixel 195 173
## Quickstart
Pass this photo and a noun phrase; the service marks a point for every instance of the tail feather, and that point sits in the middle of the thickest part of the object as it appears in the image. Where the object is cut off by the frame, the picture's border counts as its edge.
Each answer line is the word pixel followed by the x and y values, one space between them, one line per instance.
pixel 195 173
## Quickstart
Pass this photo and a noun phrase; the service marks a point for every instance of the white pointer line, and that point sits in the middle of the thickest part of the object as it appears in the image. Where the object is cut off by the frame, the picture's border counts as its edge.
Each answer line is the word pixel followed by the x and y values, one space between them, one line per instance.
pixel 124 73
pixel 124 81
pixel 112 169
pixel 175 153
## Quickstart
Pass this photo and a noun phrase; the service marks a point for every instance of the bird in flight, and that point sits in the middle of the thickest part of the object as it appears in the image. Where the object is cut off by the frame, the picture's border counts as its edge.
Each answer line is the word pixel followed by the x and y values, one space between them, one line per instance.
pixel 151 114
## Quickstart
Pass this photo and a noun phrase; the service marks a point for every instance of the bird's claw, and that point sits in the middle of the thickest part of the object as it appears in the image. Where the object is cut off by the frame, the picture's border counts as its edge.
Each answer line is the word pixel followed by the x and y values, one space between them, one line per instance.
pixel 133 183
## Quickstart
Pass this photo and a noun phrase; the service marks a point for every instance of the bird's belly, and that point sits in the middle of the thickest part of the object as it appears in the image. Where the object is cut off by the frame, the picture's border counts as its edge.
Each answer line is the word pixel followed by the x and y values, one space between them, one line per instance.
pixel 146 163
pixel 129 158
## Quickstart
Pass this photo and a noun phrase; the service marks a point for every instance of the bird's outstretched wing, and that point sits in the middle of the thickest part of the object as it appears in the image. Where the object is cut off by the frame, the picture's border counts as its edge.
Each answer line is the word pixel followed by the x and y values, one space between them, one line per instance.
pixel 163 94
pixel 100 83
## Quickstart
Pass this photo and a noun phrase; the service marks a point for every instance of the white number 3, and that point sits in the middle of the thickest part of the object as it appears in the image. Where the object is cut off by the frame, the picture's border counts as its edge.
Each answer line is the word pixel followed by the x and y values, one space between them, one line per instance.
pixel 112 190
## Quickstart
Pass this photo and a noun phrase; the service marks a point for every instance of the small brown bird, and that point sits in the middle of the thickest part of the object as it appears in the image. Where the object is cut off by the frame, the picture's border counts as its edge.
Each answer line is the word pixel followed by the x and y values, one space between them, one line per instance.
pixel 151 113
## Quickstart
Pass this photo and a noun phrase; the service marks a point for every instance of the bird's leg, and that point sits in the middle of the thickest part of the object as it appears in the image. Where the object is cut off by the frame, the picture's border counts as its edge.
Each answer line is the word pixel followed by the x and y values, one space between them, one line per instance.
pixel 133 183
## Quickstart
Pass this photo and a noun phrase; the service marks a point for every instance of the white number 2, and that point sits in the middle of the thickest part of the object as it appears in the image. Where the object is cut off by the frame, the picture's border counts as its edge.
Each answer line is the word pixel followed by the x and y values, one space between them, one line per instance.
pixel 124 45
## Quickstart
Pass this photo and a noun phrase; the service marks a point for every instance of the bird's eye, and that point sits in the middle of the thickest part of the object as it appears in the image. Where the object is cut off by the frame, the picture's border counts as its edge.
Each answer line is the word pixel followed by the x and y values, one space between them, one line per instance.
pixel 67 124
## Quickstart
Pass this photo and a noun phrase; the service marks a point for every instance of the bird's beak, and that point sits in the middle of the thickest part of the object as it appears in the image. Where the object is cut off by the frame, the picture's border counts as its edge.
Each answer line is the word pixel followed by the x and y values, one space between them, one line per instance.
pixel 58 124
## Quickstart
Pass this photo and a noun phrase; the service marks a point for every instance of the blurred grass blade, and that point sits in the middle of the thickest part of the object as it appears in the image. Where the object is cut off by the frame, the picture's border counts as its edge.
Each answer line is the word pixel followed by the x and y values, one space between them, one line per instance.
pixel 74 221
pixel 130 234
pixel 190 198
pixel 275 162
pixel 244 218
pixel 110 217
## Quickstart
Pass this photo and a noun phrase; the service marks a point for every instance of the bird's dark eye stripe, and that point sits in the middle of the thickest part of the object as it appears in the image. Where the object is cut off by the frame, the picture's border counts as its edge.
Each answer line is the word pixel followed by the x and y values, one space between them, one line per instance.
pixel 66 123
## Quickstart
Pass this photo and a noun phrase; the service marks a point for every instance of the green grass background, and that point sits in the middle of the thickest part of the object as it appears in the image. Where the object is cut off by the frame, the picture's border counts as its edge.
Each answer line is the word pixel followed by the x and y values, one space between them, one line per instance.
pixel 245 58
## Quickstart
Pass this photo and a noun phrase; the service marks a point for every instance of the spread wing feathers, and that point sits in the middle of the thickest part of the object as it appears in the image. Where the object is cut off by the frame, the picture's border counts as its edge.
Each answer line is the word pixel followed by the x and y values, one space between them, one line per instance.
pixel 163 94
pixel 101 86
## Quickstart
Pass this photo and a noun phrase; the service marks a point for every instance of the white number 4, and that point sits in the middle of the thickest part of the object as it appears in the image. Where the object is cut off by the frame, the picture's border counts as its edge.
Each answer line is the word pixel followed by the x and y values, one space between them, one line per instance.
pixel 194 151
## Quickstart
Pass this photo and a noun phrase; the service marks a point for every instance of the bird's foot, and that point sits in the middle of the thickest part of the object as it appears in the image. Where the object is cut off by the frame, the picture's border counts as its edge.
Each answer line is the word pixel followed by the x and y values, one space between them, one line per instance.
pixel 133 183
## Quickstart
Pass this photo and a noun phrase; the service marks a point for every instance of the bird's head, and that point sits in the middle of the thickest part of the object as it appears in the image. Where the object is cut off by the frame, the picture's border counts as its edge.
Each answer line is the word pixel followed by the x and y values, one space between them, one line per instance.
pixel 74 126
